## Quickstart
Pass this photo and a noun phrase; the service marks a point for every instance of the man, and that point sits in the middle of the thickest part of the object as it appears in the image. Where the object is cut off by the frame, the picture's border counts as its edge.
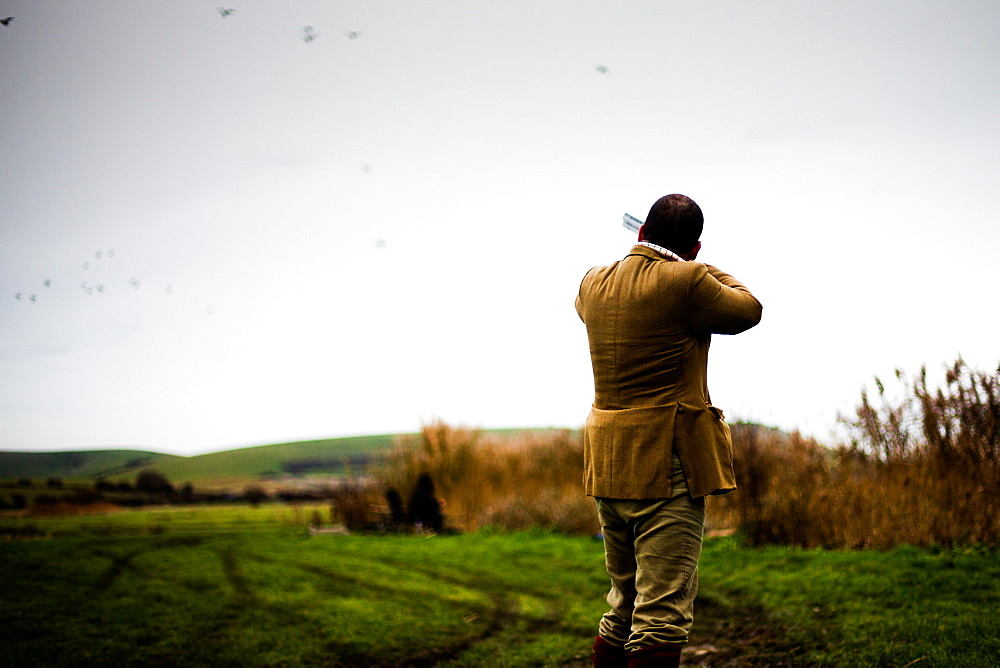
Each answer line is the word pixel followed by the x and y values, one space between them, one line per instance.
pixel 654 446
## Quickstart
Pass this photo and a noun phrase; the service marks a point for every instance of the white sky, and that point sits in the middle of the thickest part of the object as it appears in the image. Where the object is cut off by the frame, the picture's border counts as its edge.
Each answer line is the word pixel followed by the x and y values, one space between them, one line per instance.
pixel 361 235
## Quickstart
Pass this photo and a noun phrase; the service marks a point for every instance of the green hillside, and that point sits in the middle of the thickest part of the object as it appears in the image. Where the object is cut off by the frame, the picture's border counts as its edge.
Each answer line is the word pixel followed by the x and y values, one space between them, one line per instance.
pixel 227 469
pixel 82 464
pixel 337 456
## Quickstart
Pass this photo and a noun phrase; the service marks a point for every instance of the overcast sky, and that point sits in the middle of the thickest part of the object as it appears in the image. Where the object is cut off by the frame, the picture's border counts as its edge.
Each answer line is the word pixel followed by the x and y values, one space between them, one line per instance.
pixel 316 219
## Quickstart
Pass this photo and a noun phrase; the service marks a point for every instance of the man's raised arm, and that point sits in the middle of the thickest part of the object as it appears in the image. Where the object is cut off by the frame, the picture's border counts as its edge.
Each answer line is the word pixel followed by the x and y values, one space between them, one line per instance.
pixel 722 305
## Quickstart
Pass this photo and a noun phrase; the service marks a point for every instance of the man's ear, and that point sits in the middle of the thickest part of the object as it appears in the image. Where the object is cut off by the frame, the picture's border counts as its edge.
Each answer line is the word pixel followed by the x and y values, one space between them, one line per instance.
pixel 642 232
pixel 693 253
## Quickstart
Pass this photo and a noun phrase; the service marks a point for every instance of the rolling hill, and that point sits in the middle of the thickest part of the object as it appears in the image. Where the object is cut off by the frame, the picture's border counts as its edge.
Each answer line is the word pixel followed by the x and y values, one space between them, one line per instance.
pixel 226 469
pixel 327 456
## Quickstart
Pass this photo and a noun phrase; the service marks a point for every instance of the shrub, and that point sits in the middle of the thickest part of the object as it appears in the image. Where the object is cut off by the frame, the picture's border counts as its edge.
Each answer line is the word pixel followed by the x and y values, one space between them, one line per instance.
pixel 152 481
pixel 253 493
pixel 351 504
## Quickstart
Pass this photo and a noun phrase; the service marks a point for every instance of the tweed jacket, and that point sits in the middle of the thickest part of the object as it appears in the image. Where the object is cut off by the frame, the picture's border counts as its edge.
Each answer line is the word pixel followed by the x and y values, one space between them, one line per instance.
pixel 649 322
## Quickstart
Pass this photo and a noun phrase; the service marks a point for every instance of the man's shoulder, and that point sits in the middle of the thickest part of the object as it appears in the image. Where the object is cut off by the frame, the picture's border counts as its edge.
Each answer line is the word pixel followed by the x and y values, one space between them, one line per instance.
pixel 645 276
pixel 642 262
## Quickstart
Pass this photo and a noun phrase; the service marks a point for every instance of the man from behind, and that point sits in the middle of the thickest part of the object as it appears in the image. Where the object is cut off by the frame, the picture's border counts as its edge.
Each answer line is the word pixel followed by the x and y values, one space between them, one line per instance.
pixel 654 445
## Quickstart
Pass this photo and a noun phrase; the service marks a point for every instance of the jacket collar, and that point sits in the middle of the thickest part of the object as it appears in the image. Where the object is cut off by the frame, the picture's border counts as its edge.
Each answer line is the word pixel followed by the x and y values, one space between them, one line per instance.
pixel 646 251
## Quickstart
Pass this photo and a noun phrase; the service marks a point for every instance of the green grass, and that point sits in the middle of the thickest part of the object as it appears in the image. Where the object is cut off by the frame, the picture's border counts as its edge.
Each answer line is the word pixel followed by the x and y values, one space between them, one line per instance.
pixel 274 596
pixel 173 520
pixel 240 586
pixel 872 608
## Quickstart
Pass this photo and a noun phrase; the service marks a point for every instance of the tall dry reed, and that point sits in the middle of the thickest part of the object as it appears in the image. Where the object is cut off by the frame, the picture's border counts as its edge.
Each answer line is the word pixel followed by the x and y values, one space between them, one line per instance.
pixel 532 479
pixel 920 469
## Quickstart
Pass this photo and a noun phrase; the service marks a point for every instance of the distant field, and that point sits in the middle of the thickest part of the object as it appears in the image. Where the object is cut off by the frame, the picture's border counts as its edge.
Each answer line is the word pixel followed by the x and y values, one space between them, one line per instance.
pixel 237 586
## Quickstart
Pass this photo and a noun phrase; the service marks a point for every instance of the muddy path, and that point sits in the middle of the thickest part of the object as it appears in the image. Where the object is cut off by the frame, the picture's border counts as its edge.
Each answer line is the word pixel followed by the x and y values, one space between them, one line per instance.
pixel 733 630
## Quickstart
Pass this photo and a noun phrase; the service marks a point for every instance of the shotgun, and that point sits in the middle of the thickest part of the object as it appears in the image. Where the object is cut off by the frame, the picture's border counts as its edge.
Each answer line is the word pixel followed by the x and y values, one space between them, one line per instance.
pixel 632 223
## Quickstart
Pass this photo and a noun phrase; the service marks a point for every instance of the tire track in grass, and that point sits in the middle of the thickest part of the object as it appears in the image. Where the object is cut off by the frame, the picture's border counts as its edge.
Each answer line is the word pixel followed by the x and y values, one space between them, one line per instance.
pixel 246 599
pixel 234 575
pixel 554 609
pixel 122 562
pixel 118 565
pixel 502 613
pixel 505 613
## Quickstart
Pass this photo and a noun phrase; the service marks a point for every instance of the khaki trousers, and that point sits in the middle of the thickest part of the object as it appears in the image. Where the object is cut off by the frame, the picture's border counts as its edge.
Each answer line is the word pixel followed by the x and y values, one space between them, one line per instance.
pixel 651 549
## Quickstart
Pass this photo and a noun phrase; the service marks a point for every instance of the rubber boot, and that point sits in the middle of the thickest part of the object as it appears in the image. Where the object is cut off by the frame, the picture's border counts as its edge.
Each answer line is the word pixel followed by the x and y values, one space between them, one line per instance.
pixel 664 655
pixel 607 655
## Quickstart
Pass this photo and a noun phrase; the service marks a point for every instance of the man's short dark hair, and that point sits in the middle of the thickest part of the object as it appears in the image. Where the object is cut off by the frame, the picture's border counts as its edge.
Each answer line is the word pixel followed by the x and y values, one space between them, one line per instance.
pixel 674 221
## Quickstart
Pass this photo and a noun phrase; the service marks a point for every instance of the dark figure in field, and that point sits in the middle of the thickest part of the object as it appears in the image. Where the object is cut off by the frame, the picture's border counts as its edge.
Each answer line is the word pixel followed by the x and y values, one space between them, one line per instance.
pixel 424 506
pixel 395 502
pixel 654 445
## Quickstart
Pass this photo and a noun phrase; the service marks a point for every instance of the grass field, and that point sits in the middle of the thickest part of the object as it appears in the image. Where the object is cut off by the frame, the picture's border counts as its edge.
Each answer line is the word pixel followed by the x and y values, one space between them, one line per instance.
pixel 242 586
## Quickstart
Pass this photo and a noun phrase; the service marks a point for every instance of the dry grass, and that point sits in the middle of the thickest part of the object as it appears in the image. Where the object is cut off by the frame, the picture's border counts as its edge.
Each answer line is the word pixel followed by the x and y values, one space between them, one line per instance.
pixel 533 480
pixel 920 470
pixel 62 509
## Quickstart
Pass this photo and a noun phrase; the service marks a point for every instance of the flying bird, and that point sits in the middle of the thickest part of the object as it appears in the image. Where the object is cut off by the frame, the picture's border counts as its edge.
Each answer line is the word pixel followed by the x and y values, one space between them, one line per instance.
pixel 7 20
pixel 47 282
pixel 225 12
pixel 308 34
pixel 352 34
pixel 602 69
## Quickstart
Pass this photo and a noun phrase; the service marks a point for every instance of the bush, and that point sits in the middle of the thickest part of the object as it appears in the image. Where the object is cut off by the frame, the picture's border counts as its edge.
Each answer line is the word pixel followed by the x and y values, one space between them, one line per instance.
pixel 254 494
pixel 351 504
pixel 152 481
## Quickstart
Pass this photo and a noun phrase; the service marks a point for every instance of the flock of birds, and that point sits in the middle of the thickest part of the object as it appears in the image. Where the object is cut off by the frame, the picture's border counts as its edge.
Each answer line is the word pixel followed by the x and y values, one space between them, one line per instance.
pixel 309 34
pixel 95 285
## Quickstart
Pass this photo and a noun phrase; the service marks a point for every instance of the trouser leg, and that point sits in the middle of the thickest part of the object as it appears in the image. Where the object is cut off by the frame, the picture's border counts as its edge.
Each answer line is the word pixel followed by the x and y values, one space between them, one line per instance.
pixel 619 557
pixel 652 549
pixel 668 540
